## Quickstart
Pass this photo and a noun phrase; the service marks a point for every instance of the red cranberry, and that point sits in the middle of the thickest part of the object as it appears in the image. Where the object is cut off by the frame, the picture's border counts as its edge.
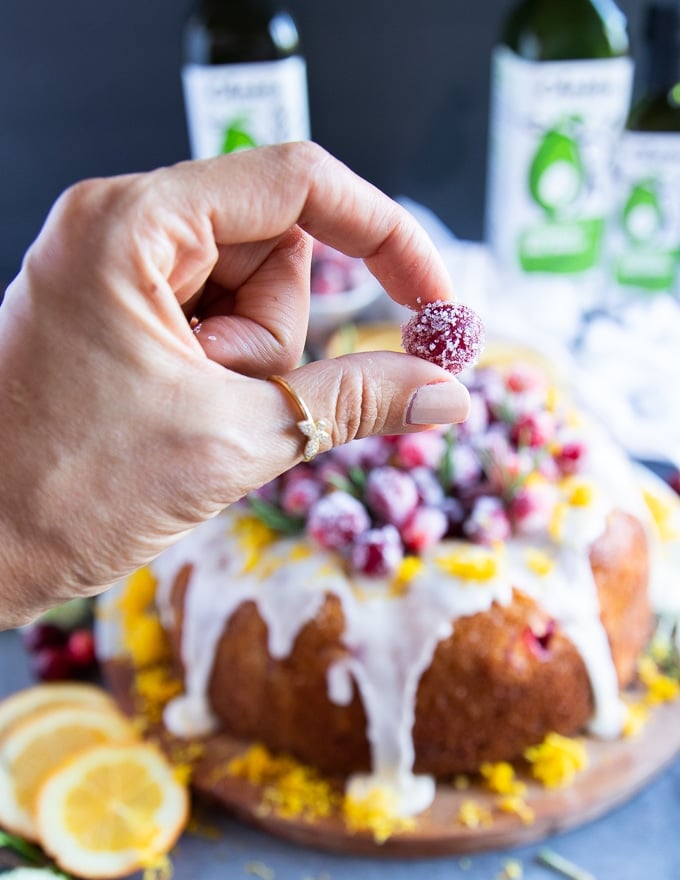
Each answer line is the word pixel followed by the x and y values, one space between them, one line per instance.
pixel 424 529
pixel 535 429
pixel 570 457
pixel 391 494
pixel 525 377
pixel 336 519
pixel 488 522
pixel 52 664
pixel 299 495
pixel 420 450
pixel 537 641
pixel 430 491
pixel 448 334
pixel 43 635
pixel 378 552
pixel 80 648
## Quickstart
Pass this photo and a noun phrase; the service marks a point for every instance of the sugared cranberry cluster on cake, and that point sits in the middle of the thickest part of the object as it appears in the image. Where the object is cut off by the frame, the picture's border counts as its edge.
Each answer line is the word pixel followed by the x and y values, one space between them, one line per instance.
pixel 404 608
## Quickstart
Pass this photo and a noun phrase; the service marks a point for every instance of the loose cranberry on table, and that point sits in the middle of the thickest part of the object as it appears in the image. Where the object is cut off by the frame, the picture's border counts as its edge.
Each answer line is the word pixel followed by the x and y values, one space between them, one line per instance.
pixel 57 654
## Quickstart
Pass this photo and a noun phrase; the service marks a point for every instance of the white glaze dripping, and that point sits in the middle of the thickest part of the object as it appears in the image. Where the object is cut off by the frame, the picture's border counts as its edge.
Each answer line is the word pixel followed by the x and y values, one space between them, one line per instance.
pixel 390 640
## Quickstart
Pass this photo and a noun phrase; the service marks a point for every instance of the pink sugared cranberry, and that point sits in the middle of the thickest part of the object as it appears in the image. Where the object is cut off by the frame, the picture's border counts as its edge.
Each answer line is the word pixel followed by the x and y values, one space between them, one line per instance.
pixel 336 519
pixel 534 430
pixel 488 522
pixel 478 420
pixel 378 552
pixel 299 495
pixel 430 491
pixel 391 494
pixel 448 334
pixel 366 452
pixel 525 377
pixel 466 467
pixel 420 450
pixel 425 528
pixel 570 457
pixel 532 507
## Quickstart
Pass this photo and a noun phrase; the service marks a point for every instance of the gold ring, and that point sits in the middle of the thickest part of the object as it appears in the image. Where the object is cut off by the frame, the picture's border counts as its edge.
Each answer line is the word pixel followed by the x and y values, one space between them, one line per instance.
pixel 317 431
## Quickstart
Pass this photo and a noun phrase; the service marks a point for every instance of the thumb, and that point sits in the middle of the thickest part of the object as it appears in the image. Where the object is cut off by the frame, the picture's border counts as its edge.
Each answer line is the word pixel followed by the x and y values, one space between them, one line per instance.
pixel 356 395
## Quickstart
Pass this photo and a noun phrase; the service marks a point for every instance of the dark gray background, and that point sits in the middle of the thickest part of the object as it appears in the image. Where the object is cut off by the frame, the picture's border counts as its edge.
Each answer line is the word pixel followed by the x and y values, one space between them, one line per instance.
pixel 398 90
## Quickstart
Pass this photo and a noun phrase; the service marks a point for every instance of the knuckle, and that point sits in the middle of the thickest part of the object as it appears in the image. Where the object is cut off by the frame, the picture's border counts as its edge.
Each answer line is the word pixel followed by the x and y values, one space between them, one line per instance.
pixel 357 408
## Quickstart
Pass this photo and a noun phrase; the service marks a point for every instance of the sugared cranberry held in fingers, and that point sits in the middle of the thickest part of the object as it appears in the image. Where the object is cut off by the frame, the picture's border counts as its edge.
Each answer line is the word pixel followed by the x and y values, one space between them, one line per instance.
pixel 448 334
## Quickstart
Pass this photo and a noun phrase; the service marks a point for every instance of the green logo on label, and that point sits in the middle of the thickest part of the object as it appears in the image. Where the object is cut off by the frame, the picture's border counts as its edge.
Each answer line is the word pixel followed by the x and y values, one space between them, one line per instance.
pixel 561 244
pixel 236 136
pixel 556 175
pixel 645 264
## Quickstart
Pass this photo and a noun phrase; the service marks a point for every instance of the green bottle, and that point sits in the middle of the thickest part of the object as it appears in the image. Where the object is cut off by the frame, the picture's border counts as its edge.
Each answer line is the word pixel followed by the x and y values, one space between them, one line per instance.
pixel 646 225
pixel 561 88
pixel 244 77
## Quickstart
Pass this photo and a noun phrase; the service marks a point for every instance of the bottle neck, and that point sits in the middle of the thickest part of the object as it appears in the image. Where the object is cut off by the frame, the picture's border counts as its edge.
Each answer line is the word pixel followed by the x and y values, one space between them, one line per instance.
pixel 663 47
pixel 563 30
pixel 224 7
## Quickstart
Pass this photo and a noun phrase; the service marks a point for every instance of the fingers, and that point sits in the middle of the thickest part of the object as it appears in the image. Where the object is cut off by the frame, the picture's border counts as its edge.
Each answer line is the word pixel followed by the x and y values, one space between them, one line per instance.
pixel 357 395
pixel 260 194
pixel 261 328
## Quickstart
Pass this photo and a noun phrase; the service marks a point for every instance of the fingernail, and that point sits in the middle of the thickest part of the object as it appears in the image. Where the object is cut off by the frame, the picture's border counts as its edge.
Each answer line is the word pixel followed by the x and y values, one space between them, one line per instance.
pixel 440 404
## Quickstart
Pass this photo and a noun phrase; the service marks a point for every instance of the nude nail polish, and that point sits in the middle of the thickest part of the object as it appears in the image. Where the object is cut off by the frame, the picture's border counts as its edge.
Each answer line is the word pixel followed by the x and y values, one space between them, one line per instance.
pixel 440 404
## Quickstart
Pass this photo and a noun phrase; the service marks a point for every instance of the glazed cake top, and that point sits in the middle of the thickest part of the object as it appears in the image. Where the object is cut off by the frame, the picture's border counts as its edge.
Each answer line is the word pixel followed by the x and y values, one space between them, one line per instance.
pixel 412 533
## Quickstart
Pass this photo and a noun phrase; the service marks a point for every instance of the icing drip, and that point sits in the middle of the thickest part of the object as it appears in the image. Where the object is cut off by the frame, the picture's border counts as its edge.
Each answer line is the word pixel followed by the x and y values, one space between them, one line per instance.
pixel 391 639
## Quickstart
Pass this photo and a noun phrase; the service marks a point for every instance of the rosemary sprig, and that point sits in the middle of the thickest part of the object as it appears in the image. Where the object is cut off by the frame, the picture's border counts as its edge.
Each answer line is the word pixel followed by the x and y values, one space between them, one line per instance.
pixel 273 517
pixel 30 854
pixel 558 863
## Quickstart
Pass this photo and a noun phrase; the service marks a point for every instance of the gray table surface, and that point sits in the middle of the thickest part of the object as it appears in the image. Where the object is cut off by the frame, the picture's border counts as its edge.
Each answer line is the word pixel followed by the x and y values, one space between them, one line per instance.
pixel 638 841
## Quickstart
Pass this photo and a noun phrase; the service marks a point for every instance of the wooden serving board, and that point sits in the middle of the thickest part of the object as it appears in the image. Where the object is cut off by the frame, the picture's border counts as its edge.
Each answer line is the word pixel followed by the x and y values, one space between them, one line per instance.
pixel 616 771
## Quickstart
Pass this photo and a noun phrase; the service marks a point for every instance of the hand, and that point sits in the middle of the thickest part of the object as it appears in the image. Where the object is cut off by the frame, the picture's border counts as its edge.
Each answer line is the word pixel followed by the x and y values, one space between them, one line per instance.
pixel 120 428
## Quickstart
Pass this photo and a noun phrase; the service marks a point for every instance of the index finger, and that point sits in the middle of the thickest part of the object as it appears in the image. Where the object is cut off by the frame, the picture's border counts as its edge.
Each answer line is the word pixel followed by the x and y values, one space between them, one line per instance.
pixel 259 194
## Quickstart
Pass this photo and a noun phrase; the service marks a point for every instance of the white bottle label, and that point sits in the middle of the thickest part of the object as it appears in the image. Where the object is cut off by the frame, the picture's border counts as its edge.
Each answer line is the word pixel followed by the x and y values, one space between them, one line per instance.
pixel 645 229
pixel 553 133
pixel 236 106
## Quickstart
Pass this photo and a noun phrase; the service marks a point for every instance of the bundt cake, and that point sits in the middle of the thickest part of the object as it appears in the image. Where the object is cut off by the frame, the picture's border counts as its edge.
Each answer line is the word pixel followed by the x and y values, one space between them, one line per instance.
pixel 404 608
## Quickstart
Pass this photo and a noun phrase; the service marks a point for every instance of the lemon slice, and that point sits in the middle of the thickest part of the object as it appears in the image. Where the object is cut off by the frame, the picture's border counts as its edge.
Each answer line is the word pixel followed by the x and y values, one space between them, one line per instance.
pixel 29 874
pixel 110 810
pixel 23 704
pixel 34 747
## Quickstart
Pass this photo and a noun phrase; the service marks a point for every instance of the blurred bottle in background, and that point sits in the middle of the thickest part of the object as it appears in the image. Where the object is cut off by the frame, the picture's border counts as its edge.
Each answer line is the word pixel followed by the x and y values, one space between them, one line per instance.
pixel 561 86
pixel 244 77
pixel 645 232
